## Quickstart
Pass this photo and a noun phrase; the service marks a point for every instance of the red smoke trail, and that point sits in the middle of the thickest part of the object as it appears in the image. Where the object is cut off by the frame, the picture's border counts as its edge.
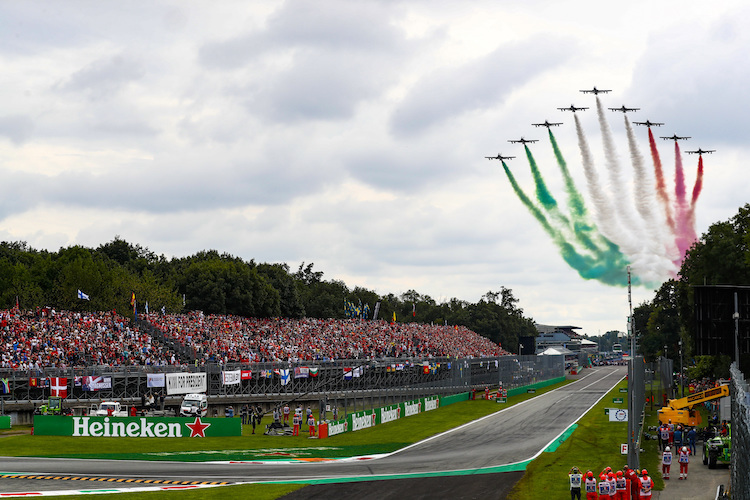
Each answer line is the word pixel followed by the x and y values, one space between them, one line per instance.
pixel 661 188
pixel 685 231
pixel 696 191
pixel 698 184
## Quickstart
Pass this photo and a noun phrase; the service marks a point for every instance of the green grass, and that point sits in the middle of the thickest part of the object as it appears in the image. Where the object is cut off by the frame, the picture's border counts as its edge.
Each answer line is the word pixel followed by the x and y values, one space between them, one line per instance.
pixel 254 491
pixel 594 445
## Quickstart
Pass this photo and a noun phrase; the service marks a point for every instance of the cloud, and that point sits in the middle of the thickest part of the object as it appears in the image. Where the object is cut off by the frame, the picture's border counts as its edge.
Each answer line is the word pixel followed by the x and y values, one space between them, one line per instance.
pixel 103 78
pixel 479 84
pixel 17 128
pixel 703 95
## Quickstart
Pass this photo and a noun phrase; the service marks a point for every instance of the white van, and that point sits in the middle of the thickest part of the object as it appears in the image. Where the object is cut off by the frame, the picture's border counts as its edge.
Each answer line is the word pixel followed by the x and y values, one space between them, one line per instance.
pixel 194 405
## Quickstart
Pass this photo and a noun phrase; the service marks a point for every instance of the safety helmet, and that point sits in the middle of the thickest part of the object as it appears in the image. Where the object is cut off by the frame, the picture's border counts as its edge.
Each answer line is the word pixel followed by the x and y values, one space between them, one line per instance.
pixel 611 476
pixel 590 474
pixel 619 473
pixel 667 449
pixel 644 472
pixel 575 470
pixel 608 469
pixel 684 449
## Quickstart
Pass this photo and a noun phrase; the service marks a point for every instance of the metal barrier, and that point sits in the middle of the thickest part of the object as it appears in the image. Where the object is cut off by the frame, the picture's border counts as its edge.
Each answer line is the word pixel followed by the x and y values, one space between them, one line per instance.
pixel 739 392
pixel 636 406
pixel 348 384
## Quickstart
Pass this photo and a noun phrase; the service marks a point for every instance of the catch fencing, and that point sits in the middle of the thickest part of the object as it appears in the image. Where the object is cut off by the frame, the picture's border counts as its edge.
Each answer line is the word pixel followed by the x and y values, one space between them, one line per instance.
pixel 636 406
pixel 351 385
pixel 739 392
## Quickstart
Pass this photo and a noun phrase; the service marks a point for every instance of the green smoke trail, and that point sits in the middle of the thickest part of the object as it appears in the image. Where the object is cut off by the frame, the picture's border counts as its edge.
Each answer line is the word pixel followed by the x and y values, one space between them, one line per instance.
pixel 609 267
pixel 586 231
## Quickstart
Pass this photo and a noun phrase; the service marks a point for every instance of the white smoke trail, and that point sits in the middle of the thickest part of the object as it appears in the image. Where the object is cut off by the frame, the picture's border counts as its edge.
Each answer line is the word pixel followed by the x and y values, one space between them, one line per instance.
pixel 605 212
pixel 660 241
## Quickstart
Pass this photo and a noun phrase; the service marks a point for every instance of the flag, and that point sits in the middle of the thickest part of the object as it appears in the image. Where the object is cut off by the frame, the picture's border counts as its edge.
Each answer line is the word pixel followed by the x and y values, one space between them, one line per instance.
pixel 4 386
pixel 394 317
pixel 246 374
pixel 301 372
pixel 132 300
pixel 357 372
pixel 347 373
pixel 414 310
pixel 59 387
pixel 284 374
pixel 33 382
pixel 147 307
pixel 314 371
pixel 83 296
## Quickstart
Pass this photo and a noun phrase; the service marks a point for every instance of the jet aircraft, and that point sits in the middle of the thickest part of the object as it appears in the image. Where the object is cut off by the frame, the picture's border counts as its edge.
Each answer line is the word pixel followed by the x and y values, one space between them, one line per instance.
pixel 572 108
pixel 524 141
pixel 700 152
pixel 649 124
pixel 624 109
pixel 547 124
pixel 595 91
pixel 499 157
pixel 675 137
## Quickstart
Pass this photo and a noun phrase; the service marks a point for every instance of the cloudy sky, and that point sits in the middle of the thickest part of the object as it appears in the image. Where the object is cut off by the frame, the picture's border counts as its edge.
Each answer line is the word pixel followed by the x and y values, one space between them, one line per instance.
pixel 352 134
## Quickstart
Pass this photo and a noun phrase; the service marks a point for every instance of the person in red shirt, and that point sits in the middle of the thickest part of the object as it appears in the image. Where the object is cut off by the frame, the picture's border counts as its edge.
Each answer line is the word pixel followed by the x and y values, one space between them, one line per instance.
pixel 684 460
pixel 646 485
pixel 590 486
pixel 635 486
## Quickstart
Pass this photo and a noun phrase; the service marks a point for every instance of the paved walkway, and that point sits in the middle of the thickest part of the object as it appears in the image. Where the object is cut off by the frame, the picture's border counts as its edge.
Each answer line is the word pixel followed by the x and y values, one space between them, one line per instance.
pixel 701 483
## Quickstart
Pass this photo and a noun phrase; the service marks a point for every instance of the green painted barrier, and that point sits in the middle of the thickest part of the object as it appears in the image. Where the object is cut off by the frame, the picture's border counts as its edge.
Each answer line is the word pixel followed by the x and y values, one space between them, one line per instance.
pixel 4 421
pixel 455 398
pixel 135 427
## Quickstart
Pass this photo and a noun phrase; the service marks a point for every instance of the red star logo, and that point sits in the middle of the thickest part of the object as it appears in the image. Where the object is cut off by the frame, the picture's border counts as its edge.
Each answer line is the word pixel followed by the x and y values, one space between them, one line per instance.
pixel 198 428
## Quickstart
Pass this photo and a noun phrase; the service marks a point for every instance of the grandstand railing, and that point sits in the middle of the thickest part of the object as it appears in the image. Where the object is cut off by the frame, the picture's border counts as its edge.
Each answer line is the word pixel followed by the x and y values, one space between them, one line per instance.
pixel 387 377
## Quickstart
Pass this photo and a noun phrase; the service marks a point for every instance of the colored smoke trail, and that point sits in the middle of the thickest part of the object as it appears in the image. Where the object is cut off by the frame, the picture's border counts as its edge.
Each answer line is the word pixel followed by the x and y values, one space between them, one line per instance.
pixel 609 269
pixel 542 193
pixel 696 190
pixel 659 242
pixel 585 230
pixel 698 184
pixel 685 232
pixel 617 185
pixel 604 210
pixel 661 187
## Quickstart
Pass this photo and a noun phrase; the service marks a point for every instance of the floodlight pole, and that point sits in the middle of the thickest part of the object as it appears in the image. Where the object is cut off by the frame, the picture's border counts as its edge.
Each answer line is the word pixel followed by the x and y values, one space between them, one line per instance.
pixel 736 317
pixel 633 458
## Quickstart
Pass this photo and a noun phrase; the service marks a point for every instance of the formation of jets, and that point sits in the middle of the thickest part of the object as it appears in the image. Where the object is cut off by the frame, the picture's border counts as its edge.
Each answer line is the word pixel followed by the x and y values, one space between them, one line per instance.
pixel 572 108
pixel 649 124
pixel 499 157
pixel 595 91
pixel 700 152
pixel 547 124
pixel 624 109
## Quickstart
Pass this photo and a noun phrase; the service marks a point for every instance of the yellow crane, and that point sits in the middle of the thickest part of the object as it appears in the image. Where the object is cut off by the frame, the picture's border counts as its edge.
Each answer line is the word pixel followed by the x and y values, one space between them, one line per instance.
pixel 680 411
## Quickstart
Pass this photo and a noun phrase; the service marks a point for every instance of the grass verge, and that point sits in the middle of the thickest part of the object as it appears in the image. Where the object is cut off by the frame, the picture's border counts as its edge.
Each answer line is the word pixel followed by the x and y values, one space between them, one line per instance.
pixel 594 445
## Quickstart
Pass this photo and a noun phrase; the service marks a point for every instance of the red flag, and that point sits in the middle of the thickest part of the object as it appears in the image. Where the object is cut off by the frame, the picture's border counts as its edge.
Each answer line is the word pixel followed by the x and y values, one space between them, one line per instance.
pixel 414 310
pixel 59 387
pixel 246 374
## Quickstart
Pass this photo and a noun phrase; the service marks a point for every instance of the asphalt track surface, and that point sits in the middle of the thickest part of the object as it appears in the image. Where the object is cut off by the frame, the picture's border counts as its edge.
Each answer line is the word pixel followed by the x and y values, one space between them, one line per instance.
pixel 500 442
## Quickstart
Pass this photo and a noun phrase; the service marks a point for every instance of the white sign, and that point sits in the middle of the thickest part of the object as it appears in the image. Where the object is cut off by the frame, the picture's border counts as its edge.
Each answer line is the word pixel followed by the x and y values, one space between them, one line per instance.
pixel 185 383
pixel 155 380
pixel 232 377
pixel 618 415
pixel 623 449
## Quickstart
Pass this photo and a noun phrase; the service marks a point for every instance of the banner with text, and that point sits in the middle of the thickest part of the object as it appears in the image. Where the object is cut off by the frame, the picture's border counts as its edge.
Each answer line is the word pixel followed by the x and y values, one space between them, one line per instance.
pixel 186 383
pixel 135 427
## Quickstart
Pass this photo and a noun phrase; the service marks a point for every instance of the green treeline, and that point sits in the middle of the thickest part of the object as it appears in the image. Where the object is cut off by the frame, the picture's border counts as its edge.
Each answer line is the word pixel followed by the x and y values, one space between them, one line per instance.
pixel 223 284
pixel 720 257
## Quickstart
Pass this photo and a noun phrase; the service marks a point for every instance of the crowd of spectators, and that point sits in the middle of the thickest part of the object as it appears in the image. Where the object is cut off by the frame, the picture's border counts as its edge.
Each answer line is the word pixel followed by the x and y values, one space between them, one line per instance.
pixel 223 339
pixel 33 340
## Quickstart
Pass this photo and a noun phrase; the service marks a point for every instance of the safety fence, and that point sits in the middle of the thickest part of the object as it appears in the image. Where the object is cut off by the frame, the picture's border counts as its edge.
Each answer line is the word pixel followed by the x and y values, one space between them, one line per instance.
pixel 636 407
pixel 350 385
pixel 739 392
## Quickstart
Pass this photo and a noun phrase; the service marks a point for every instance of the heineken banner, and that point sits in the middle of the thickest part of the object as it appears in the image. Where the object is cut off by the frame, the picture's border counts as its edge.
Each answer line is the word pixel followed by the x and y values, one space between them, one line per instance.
pixel 186 383
pixel 135 427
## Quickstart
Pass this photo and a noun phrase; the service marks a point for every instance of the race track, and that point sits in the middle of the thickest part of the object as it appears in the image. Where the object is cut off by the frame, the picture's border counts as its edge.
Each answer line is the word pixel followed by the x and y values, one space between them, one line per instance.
pixel 510 436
